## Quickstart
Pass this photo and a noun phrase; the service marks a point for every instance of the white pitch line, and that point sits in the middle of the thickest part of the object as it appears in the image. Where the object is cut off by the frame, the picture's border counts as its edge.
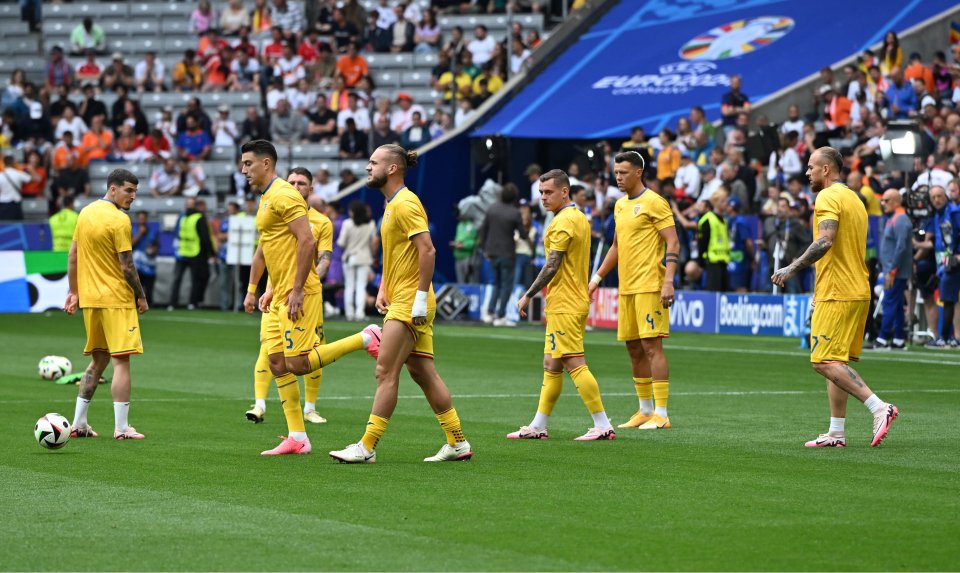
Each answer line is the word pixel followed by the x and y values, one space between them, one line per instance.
pixel 507 396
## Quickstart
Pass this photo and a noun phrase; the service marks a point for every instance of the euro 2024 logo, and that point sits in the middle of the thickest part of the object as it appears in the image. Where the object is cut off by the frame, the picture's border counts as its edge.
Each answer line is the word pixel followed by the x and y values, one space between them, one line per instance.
pixel 737 38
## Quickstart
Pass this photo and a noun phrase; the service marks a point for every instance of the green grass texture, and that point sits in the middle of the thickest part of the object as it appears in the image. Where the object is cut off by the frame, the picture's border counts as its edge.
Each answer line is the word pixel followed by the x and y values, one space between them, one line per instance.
pixel 729 487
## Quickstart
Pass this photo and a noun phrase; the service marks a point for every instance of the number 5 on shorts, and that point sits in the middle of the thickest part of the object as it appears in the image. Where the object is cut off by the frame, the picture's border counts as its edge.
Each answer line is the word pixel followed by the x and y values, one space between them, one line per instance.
pixel 286 336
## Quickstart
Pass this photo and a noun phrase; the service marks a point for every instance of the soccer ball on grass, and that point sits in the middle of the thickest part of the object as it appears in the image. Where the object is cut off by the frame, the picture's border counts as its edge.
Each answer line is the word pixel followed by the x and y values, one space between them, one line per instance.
pixel 53 367
pixel 52 431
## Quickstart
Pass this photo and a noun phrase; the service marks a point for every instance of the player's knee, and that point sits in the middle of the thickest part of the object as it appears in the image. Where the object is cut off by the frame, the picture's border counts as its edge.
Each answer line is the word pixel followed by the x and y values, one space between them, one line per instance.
pixel 821 368
pixel 278 366
pixel 298 365
pixel 385 375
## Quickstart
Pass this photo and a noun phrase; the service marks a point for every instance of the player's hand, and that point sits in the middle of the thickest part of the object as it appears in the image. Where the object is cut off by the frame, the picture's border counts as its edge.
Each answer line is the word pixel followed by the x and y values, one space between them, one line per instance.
pixel 522 305
pixel 249 302
pixel 592 290
pixel 666 295
pixel 266 299
pixel 888 281
pixel 382 303
pixel 781 276
pixel 71 304
pixel 295 304
pixel 142 305
pixel 419 310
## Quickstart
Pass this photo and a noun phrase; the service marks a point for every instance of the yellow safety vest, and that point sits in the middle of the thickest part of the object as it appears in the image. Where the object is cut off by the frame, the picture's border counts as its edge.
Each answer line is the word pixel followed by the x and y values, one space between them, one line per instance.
pixel 718 250
pixel 62 225
pixel 189 245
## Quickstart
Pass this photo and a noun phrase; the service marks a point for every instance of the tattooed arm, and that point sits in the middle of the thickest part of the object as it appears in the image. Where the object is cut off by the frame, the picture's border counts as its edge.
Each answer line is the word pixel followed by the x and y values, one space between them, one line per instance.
pixel 827 232
pixel 546 275
pixel 323 264
pixel 133 279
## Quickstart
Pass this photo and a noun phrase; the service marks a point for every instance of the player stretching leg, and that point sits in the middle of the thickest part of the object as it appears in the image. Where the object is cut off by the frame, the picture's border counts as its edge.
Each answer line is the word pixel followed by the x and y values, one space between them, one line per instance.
pixel 322 230
pixel 841 296
pixel 645 236
pixel 567 242
pixel 105 284
pixel 287 250
pixel 406 297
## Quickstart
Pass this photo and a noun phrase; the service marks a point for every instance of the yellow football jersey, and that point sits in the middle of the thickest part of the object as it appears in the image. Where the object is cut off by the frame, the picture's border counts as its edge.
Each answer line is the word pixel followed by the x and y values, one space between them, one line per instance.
pixel 280 205
pixel 569 232
pixel 103 231
pixel 403 218
pixel 842 273
pixel 322 229
pixel 640 248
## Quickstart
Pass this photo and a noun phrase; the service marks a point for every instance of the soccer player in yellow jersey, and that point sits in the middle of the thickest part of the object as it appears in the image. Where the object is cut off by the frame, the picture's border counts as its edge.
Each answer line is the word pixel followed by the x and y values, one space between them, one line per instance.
pixel 322 230
pixel 567 243
pixel 287 250
pixel 646 251
pixel 841 297
pixel 406 297
pixel 104 283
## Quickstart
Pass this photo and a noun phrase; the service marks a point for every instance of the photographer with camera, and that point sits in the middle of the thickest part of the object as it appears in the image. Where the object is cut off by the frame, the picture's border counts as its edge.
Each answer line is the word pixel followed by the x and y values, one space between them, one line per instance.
pixel 896 262
pixel 946 218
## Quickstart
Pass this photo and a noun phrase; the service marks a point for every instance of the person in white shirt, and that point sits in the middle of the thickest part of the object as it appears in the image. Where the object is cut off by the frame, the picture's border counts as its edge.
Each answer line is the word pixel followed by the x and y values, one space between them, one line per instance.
pixel 300 97
pixel 402 118
pixel 356 240
pixel 359 115
pixel 11 182
pixel 712 183
pixel 71 122
pixel 149 74
pixel 481 46
pixel 789 162
pixel 323 186
pixel 935 174
pixel 290 66
pixel 385 15
pixel 688 176
pixel 794 121
pixel 165 179
pixel 518 55
pixel 224 129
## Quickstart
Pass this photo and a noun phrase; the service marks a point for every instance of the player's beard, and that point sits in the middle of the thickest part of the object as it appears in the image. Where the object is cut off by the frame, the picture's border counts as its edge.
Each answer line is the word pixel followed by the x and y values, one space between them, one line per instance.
pixel 816 186
pixel 375 182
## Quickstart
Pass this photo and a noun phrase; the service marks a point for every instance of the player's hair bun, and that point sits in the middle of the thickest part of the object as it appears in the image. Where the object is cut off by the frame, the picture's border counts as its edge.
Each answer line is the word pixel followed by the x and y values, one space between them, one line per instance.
pixel 411 158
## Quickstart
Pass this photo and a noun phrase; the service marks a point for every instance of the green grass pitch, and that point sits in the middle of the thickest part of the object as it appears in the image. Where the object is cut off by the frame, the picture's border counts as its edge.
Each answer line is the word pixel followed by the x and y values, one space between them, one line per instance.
pixel 729 487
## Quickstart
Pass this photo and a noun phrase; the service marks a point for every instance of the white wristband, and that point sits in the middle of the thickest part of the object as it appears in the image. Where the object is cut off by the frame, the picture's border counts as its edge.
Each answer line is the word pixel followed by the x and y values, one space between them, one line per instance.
pixel 596 278
pixel 419 304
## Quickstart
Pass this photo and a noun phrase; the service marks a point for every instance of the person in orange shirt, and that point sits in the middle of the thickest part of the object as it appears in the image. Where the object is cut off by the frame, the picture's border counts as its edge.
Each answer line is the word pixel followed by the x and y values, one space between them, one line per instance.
pixel 836 112
pixel 216 71
pixel 916 70
pixel 97 144
pixel 668 160
pixel 351 66
pixel 64 151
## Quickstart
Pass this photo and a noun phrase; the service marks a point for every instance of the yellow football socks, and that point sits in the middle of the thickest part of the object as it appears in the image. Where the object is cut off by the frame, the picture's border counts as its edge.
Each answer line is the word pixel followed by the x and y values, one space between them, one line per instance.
pixel 262 375
pixel 311 386
pixel 450 422
pixel 644 388
pixel 550 392
pixel 588 388
pixel 289 390
pixel 326 354
pixel 661 391
pixel 376 426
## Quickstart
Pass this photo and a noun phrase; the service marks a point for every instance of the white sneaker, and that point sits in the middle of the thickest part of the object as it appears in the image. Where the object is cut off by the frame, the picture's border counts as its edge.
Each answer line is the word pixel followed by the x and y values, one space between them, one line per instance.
pixel 314 418
pixel 499 322
pixel 355 454
pixel 508 322
pixel 487 319
pixel 448 453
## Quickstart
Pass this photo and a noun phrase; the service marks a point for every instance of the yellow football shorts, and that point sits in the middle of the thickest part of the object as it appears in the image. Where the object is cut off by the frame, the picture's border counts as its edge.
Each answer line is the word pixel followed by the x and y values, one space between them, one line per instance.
pixel 564 336
pixel 642 316
pixel 422 335
pixel 836 330
pixel 292 337
pixel 113 330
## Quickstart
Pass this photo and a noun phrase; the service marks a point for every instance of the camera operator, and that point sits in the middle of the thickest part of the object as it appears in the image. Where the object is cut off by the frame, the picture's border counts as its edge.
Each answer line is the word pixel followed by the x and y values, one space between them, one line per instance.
pixel 946 219
pixel 896 262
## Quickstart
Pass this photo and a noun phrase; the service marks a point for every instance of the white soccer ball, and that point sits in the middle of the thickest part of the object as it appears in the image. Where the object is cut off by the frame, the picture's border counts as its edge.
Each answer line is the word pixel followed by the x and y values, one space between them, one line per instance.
pixel 52 431
pixel 53 367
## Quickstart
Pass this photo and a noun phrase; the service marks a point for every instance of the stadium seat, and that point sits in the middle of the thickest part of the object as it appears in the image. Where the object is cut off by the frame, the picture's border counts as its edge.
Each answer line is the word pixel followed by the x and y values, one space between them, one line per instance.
pixel 9 28
pixel 309 151
pixel 9 10
pixel 175 25
pixel 424 60
pixel 134 47
pixel 357 166
pixel 379 61
pixel 386 79
pixel 19 46
pixel 81 9
pixel 32 208
pixel 223 153
pixel 178 44
pixel 414 79
pixel 160 9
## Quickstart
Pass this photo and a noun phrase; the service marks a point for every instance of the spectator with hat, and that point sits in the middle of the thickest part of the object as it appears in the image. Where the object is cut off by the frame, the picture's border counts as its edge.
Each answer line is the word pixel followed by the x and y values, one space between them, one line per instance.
pixel 117 74
pixel 402 118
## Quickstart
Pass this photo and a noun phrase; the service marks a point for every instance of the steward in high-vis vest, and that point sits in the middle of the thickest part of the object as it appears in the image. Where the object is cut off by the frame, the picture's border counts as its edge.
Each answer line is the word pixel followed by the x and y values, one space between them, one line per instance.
pixel 62 225
pixel 195 251
pixel 713 242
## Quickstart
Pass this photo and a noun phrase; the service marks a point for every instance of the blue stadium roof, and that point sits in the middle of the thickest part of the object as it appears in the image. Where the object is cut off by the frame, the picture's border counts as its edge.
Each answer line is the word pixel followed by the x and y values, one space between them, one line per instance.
pixel 646 62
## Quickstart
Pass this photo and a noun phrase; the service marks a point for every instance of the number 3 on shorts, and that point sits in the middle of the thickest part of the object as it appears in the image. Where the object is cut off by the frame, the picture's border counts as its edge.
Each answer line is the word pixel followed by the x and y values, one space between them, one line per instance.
pixel 286 336
pixel 553 341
